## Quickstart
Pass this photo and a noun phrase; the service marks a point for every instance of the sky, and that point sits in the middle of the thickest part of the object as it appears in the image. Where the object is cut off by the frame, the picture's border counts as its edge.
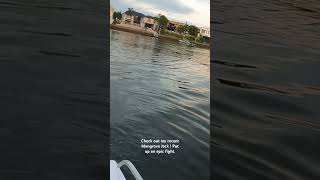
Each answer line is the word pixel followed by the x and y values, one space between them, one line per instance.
pixel 196 12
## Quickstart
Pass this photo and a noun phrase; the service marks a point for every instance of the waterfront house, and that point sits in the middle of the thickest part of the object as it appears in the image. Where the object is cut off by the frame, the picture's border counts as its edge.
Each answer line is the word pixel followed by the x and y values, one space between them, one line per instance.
pixel 204 32
pixel 134 18
pixel 173 25
pixel 149 22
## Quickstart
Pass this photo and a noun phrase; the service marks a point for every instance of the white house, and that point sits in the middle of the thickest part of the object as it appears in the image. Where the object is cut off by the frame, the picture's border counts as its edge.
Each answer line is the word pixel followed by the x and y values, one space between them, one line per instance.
pixel 138 19
pixel 204 32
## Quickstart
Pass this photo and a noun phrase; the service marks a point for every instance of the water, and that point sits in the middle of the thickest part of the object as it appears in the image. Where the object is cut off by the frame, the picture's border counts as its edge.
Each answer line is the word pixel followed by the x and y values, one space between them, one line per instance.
pixel 160 90
pixel 266 87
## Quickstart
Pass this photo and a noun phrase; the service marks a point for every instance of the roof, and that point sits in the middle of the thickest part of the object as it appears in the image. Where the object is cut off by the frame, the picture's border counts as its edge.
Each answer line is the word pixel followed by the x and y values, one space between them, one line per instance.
pixel 205 28
pixel 134 13
pixel 150 17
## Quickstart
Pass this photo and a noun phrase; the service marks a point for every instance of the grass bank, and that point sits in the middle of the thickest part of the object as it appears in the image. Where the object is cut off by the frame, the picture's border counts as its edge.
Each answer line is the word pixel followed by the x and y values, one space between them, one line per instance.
pixel 129 28
pixel 176 37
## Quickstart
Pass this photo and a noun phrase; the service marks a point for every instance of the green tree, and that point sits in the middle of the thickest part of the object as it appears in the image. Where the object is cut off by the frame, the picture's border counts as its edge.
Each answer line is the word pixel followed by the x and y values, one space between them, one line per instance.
pixel 117 16
pixel 180 29
pixel 193 30
pixel 183 29
pixel 162 21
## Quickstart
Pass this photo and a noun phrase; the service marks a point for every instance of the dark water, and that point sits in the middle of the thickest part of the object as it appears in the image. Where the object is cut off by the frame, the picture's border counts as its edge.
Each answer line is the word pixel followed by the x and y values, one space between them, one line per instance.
pixel 265 90
pixel 160 90
pixel 53 95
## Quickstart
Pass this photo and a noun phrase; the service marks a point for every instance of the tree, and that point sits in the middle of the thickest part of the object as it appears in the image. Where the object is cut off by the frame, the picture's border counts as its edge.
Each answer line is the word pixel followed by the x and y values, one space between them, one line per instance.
pixel 193 30
pixel 183 29
pixel 162 21
pixel 130 9
pixel 180 29
pixel 117 16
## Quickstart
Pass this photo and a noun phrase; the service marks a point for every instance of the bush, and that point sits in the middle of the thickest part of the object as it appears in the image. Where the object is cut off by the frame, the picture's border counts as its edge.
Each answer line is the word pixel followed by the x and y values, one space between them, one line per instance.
pixel 190 37
pixel 201 39
pixel 163 31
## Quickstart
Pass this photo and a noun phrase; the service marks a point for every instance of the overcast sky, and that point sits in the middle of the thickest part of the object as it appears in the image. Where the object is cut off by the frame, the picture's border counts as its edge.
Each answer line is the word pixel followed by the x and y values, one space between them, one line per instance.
pixel 195 12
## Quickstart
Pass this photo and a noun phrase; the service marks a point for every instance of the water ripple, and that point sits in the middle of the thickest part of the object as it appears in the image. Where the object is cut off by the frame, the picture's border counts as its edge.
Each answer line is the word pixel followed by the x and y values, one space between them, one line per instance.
pixel 265 90
pixel 160 89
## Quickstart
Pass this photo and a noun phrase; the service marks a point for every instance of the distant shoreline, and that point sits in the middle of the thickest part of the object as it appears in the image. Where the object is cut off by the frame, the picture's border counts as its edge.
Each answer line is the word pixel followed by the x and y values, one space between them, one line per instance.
pixel 138 30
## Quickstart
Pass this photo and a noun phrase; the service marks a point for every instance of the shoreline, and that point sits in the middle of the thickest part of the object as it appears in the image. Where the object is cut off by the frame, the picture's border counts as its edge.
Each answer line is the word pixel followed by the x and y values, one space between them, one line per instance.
pixel 138 30
pixel 133 29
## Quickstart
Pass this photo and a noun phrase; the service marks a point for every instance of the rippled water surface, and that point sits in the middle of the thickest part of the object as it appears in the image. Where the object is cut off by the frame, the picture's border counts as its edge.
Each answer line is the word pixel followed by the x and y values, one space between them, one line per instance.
pixel 53 95
pixel 160 89
pixel 266 90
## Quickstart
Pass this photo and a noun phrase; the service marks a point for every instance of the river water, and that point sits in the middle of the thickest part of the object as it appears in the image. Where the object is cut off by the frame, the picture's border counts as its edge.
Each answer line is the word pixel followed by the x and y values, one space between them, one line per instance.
pixel 266 90
pixel 160 90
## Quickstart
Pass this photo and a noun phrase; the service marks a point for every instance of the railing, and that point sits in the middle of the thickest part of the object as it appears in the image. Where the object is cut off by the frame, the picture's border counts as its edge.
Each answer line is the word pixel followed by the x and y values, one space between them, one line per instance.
pixel 132 169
